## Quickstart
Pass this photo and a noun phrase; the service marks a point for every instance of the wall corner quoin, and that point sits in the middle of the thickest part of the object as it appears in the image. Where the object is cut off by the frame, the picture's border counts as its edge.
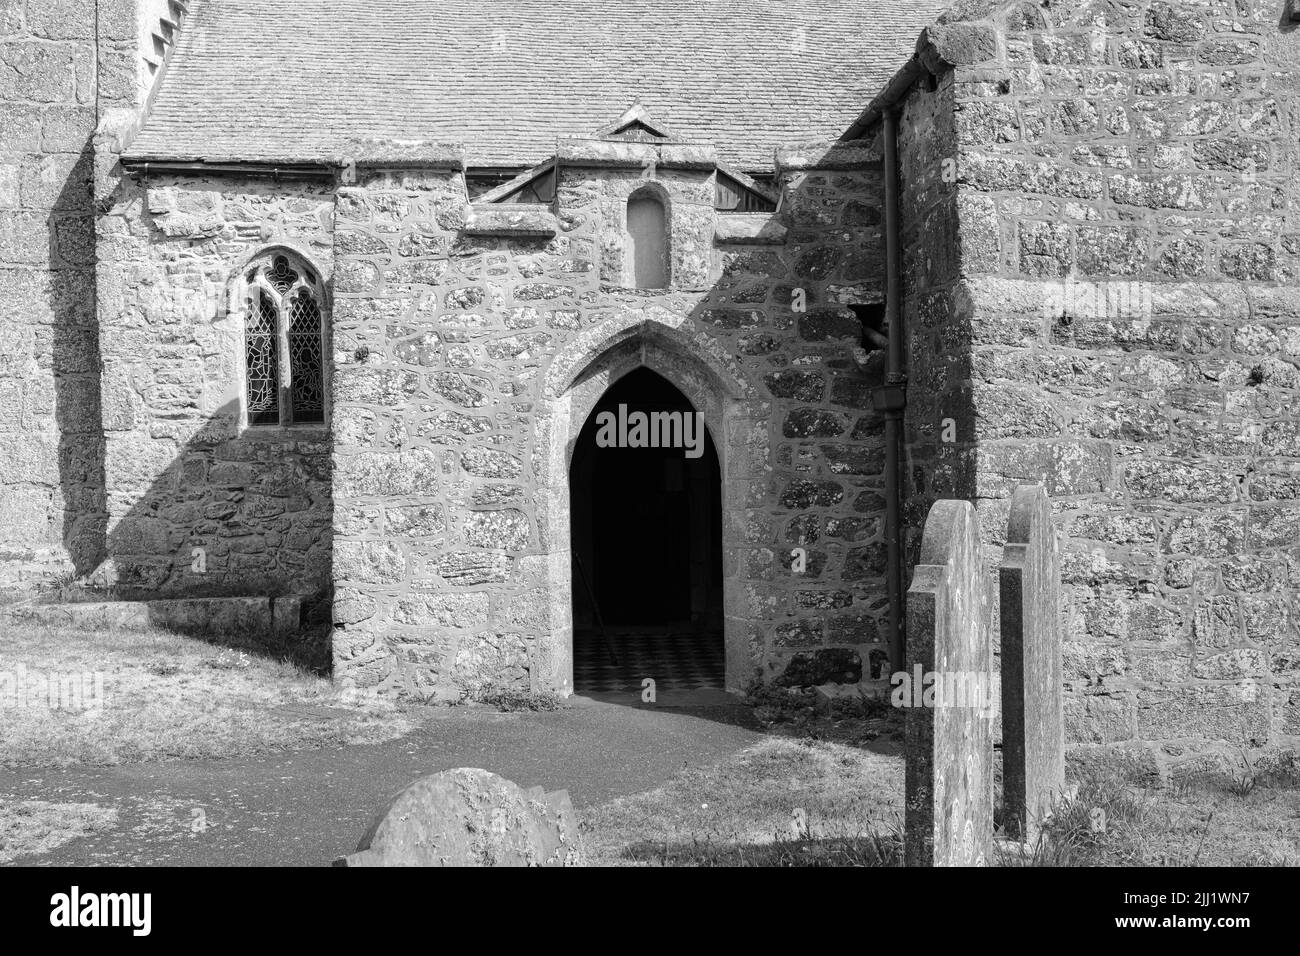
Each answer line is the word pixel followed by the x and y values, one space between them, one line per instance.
pixel 946 46
pixel 116 128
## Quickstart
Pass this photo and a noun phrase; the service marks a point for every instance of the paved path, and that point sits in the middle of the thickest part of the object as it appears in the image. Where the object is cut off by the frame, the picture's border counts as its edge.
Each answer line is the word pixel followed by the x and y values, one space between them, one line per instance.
pixel 306 809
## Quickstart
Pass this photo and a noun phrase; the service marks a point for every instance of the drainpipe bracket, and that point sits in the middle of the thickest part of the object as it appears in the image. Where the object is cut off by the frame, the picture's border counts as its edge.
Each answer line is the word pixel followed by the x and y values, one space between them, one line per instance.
pixel 889 398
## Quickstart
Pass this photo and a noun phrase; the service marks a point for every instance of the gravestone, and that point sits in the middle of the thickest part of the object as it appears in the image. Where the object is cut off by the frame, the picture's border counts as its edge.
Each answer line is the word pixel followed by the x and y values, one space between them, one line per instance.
pixel 949 780
pixel 470 817
pixel 1033 729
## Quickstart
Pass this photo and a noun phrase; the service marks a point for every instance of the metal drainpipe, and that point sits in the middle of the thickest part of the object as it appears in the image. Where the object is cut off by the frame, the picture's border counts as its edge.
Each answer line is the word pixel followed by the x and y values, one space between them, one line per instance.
pixel 891 398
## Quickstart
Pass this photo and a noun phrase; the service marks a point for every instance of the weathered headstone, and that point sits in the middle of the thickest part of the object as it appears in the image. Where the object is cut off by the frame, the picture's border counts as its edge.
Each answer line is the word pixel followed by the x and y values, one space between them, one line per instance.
pixel 949 731
pixel 470 817
pixel 1033 730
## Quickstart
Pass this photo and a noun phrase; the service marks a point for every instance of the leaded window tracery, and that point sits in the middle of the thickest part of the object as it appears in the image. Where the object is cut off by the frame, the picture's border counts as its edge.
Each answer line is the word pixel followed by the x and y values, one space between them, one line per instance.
pixel 284 343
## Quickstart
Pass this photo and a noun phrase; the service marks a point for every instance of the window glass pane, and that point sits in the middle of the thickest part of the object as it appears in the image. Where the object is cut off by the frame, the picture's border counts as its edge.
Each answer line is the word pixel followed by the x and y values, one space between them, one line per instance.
pixel 281 276
pixel 263 365
pixel 306 358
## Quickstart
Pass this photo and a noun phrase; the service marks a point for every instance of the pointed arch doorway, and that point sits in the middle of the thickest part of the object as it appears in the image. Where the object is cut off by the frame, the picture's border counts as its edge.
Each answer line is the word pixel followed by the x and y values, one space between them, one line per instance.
pixel 646 541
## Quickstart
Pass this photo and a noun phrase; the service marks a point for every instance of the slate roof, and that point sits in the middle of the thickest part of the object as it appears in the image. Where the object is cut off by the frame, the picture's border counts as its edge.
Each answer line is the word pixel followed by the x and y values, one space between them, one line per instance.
pixel 293 80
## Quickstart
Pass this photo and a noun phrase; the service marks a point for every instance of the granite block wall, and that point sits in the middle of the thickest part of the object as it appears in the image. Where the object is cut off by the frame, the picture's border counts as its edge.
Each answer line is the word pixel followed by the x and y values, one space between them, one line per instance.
pixel 51 461
pixel 1125 198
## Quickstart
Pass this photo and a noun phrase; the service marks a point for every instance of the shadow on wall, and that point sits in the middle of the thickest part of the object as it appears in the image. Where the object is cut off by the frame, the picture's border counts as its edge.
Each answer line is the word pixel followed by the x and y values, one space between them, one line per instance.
pixel 818 356
pixel 75 366
pixel 233 514
pixel 939 426
pixel 230 515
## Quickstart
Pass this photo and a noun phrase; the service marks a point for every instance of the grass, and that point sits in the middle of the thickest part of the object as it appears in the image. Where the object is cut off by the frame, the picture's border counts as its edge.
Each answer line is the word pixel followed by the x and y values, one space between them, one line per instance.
pixel 1104 823
pixel 819 790
pixel 511 700
pixel 167 696
pixel 35 826
pixel 1242 813
pixel 1245 815
pixel 811 794
pixel 781 802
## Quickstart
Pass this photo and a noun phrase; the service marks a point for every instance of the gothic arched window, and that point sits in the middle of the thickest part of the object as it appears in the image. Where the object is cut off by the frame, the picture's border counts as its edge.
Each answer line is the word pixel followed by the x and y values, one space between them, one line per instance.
pixel 284 343
pixel 647 229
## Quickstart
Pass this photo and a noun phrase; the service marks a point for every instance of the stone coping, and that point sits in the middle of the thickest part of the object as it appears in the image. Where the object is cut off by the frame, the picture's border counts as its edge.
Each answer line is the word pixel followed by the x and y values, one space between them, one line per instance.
pixel 855 154
pixel 511 219
pixel 405 154
pixel 749 229
pixel 598 152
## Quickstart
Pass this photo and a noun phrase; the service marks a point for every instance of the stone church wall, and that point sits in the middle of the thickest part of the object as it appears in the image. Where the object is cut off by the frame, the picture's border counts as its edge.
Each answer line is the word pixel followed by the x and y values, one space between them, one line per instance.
pixel 468 357
pixel 118 359
pixel 1126 181
pixel 196 505
pixel 1100 258
pixel 51 463
pixel 936 352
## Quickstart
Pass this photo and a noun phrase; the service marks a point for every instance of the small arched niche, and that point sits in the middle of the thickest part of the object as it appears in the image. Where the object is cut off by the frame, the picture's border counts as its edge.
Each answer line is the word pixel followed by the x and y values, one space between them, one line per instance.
pixel 648 247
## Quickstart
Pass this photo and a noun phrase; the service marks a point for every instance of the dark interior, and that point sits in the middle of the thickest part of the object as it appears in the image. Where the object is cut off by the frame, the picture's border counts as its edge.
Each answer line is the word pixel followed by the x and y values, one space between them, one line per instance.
pixel 646 531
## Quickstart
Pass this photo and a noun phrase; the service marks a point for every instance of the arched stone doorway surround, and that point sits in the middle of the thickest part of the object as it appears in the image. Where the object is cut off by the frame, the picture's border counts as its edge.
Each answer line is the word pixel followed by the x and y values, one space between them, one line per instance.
pixel 717 387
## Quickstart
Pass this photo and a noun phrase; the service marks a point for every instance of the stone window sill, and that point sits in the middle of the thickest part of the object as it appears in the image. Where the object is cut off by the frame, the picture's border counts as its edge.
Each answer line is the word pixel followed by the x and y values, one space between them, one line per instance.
pixel 278 433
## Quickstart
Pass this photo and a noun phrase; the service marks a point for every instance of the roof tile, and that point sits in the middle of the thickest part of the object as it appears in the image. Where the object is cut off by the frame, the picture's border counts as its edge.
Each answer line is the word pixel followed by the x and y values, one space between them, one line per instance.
pixel 295 80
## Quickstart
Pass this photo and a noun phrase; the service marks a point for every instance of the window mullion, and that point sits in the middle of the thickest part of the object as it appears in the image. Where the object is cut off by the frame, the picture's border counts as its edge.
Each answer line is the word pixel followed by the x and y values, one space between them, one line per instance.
pixel 281 315
pixel 286 371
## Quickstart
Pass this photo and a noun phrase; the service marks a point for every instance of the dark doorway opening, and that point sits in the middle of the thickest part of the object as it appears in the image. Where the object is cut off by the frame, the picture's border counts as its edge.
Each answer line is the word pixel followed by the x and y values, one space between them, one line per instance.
pixel 646 526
